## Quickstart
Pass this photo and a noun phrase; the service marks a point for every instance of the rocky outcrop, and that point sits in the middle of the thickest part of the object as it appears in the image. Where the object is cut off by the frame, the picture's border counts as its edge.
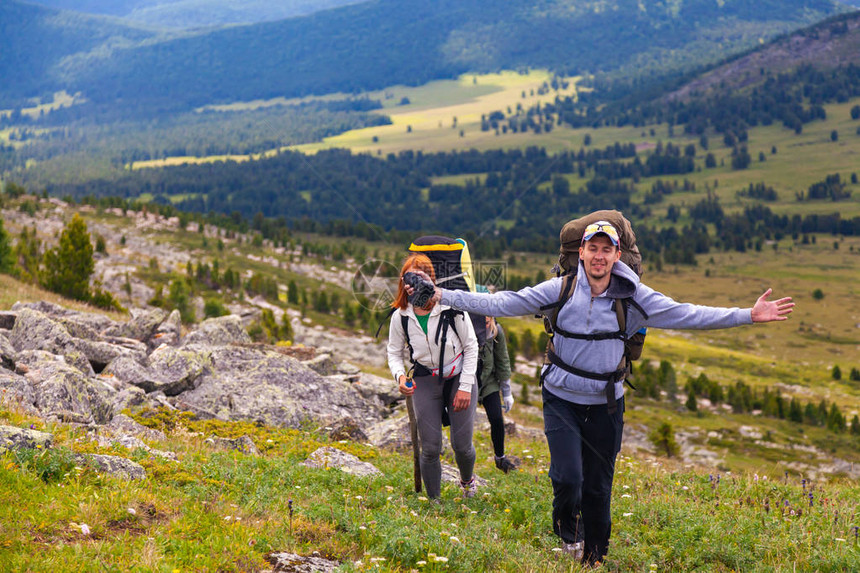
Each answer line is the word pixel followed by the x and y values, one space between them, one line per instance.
pixel 87 369
pixel 248 383
pixel 294 563
pixel 63 392
pixel 34 330
pixel 114 465
pixel 124 425
pixel 12 438
pixel 15 387
pixel 328 457
pixel 7 353
pixel 243 444
pixel 141 326
pixel 221 331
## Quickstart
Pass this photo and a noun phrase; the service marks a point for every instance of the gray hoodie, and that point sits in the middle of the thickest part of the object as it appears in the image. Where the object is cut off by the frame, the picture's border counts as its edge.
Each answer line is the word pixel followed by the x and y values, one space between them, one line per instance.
pixel 584 314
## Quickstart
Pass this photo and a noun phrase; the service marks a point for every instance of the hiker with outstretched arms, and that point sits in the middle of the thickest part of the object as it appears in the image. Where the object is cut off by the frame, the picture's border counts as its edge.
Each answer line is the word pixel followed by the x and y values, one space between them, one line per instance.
pixel 433 356
pixel 582 381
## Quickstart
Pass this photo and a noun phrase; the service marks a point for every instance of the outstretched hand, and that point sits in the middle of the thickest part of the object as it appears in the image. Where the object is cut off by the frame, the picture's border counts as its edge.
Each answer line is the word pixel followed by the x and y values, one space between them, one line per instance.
pixel 437 292
pixel 767 311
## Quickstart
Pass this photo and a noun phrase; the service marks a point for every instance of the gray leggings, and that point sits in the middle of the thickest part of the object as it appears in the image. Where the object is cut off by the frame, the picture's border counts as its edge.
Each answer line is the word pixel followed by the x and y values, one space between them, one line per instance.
pixel 427 400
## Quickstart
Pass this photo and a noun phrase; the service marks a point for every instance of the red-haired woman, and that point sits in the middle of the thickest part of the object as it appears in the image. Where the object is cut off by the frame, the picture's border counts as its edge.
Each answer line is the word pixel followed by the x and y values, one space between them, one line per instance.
pixel 441 346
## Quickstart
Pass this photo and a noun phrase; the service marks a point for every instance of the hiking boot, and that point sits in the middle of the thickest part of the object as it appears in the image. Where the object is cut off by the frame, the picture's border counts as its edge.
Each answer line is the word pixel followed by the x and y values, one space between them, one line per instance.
pixel 575 550
pixel 470 488
pixel 505 464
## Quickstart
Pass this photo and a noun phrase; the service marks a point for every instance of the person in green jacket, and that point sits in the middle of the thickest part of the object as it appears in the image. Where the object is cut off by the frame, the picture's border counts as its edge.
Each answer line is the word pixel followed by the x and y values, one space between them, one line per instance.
pixel 495 389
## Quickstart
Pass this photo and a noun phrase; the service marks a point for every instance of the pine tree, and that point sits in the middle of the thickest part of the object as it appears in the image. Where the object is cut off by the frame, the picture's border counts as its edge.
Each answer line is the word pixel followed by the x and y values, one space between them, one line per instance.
pixel 7 261
pixel 664 439
pixel 68 267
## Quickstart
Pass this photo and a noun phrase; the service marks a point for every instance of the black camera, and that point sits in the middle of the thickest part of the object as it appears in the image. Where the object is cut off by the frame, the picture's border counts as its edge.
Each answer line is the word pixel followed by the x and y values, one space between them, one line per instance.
pixel 422 289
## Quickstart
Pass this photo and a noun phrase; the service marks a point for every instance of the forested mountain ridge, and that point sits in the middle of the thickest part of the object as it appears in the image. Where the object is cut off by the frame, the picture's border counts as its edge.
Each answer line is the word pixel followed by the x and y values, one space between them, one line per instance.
pixel 385 42
pixel 197 13
pixel 30 65
pixel 831 44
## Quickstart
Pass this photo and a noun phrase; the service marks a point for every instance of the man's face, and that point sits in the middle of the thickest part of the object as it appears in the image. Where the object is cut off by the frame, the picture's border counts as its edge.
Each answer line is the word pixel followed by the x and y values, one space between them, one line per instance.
pixel 598 255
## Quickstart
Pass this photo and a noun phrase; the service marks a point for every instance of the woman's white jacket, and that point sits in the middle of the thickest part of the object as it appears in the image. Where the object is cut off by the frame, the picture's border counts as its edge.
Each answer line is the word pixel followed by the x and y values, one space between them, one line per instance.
pixel 426 350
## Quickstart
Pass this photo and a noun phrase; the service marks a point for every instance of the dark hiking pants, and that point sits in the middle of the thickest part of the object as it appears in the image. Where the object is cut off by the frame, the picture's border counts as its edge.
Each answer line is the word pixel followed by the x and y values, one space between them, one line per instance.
pixel 493 407
pixel 430 395
pixel 583 443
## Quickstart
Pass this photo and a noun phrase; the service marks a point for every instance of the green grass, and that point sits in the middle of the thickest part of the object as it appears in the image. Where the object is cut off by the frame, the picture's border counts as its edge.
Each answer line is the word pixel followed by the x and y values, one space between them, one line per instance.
pixel 226 512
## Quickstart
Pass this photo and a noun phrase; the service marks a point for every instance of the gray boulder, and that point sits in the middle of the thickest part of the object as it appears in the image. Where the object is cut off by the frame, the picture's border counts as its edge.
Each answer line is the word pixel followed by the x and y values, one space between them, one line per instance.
pixel 122 424
pixel 246 383
pixel 16 386
pixel 141 326
pixel 99 354
pixel 130 398
pixel 168 332
pixel 62 391
pixel 178 369
pixel 243 444
pixel 44 307
pixel 452 475
pixel 7 319
pixel 35 330
pixel 221 331
pixel 393 433
pixel 85 324
pixel 114 465
pixel 13 438
pixel 385 389
pixel 322 364
pixel 294 563
pixel 328 457
pixel 171 370
pixel 7 353
pixel 107 439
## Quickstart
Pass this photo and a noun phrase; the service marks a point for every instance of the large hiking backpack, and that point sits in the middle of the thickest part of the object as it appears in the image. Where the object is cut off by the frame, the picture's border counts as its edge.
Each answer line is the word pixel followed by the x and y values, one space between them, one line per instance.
pixel 570 240
pixel 452 264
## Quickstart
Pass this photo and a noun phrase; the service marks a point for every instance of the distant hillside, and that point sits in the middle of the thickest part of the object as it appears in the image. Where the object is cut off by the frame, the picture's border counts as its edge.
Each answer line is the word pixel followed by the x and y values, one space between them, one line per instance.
pixel 385 42
pixel 834 43
pixel 30 65
pixel 197 13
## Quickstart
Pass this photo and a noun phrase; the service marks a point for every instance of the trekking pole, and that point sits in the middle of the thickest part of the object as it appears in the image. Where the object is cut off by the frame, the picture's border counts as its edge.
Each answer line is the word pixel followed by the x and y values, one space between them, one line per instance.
pixel 416 447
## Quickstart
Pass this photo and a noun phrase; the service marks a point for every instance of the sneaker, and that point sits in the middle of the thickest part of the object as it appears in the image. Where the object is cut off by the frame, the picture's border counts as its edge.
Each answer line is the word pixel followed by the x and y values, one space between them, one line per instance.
pixel 470 488
pixel 505 464
pixel 575 550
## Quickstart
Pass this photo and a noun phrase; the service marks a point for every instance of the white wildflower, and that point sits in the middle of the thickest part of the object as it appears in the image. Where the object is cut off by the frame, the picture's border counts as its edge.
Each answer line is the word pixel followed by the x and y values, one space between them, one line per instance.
pixel 627 514
pixel 85 529
pixel 132 511
pixel 626 495
pixel 454 539
pixel 441 559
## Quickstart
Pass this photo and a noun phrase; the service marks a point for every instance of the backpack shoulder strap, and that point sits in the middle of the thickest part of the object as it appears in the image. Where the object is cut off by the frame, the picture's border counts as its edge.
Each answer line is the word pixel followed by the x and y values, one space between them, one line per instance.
pixel 565 293
pixel 404 322
pixel 382 322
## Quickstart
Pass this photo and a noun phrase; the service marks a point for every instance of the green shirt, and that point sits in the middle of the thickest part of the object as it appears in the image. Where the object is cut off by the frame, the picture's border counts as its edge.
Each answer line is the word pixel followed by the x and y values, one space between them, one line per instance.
pixel 423 319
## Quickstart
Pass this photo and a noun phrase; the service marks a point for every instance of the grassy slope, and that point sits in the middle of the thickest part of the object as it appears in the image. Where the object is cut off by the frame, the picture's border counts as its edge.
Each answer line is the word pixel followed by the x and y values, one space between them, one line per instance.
pixel 226 512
